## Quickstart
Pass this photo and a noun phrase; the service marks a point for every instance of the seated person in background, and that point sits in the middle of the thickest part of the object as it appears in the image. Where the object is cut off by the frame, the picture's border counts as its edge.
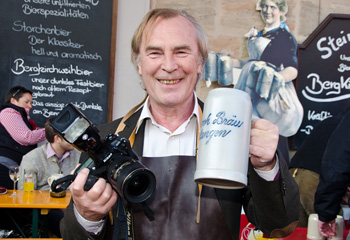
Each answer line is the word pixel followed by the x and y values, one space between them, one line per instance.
pixel 18 134
pixel 305 165
pixel 334 177
pixel 57 156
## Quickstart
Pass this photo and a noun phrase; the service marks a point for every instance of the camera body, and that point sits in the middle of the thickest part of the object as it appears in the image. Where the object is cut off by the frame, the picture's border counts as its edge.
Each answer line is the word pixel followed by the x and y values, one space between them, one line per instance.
pixel 112 159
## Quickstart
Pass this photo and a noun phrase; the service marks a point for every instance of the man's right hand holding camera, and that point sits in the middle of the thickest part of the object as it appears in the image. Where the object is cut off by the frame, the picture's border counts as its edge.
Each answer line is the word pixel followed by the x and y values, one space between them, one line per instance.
pixel 93 205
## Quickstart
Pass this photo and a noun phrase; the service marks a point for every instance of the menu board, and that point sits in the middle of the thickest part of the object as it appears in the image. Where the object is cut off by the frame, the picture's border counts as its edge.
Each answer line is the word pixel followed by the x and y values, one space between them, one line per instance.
pixel 60 50
pixel 323 83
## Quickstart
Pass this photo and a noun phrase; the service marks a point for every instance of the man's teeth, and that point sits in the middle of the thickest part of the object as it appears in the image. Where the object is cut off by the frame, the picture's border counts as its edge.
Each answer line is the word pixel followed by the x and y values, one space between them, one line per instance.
pixel 169 81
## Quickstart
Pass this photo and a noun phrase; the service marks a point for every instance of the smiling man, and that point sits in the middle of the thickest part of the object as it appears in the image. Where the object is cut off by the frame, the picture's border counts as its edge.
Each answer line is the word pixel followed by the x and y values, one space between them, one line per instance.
pixel 169 50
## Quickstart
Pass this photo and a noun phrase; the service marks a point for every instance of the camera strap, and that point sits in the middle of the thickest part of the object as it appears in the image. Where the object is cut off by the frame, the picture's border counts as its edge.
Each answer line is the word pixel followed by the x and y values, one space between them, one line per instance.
pixel 124 226
pixel 124 222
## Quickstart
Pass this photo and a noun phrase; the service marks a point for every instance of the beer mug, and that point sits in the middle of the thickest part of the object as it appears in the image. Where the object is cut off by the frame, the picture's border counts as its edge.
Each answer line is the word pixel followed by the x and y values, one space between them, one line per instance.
pixel 314 234
pixel 50 181
pixel 223 150
pixel 312 228
pixel 339 228
pixel 225 72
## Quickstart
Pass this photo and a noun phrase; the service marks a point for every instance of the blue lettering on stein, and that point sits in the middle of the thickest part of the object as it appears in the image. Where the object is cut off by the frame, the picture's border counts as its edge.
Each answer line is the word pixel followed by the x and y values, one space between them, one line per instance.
pixel 206 121
pixel 220 119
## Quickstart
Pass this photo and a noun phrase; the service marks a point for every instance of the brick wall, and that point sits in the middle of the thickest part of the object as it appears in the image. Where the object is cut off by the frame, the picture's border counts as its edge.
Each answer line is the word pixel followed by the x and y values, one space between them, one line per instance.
pixel 226 21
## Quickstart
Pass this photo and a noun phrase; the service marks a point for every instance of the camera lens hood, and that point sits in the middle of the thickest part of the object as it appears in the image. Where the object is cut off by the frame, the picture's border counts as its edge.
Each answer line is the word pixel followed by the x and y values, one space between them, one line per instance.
pixel 132 180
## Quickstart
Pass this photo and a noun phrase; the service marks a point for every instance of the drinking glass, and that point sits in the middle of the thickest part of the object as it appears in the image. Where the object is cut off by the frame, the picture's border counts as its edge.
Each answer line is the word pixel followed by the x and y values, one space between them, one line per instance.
pixel 13 172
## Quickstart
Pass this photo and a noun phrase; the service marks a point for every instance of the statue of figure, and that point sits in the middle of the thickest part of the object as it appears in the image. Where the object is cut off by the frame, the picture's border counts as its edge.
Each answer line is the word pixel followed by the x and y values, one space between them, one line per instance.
pixel 268 72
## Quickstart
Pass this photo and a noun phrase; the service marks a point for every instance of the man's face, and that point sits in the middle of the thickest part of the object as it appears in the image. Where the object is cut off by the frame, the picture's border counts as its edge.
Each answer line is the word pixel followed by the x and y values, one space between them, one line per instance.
pixel 169 61
pixel 65 146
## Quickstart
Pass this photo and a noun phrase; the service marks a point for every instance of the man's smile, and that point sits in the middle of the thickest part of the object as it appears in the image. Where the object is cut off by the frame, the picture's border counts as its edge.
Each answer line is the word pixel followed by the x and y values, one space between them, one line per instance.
pixel 167 81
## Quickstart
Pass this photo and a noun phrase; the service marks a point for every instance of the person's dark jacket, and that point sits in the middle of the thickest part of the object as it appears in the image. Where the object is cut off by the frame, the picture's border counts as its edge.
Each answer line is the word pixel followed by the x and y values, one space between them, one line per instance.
pixel 272 206
pixel 309 155
pixel 8 146
pixel 335 172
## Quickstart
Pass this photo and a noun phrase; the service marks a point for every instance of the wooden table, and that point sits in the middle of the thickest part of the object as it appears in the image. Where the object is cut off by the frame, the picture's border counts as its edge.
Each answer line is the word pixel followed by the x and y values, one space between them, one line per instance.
pixel 36 200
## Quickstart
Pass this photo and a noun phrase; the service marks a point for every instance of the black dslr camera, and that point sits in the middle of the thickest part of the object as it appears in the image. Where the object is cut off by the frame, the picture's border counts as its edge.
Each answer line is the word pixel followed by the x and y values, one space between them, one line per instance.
pixel 113 159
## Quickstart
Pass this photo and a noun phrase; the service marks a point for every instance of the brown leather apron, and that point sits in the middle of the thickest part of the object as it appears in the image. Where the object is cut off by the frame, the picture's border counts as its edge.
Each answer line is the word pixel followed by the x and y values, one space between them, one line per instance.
pixel 175 202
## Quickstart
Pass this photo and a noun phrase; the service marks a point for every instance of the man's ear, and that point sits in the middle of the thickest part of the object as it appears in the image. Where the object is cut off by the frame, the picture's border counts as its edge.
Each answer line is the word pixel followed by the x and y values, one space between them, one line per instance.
pixel 57 138
pixel 139 68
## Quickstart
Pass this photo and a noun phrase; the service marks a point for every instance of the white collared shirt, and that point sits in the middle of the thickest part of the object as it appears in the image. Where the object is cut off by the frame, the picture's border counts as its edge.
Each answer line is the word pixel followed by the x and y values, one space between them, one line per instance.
pixel 160 142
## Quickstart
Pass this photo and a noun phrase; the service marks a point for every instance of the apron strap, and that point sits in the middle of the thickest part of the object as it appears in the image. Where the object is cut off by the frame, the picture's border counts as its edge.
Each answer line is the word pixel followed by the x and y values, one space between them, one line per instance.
pixel 199 185
pixel 121 125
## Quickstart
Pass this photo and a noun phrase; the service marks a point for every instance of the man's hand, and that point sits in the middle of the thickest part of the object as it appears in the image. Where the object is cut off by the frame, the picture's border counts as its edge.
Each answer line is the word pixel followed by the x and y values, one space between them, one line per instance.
pixel 94 204
pixel 263 144
pixel 327 229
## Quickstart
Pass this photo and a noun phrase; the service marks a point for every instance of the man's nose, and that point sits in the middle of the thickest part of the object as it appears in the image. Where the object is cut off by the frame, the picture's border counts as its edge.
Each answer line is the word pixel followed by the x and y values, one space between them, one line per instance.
pixel 169 64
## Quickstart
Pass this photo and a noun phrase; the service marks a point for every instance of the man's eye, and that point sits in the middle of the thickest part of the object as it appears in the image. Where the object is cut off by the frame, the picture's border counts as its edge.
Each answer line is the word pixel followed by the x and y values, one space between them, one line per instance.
pixel 182 53
pixel 154 54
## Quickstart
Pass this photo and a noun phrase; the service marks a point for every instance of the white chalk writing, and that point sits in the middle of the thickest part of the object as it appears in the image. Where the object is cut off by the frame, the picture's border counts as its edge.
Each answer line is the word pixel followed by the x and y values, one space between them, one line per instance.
pixel 329 88
pixel 313 115
pixel 20 26
pixel 307 130
pixel 20 68
pixel 330 44
pixel 59 78
pixel 66 13
pixel 343 57
pixel 343 67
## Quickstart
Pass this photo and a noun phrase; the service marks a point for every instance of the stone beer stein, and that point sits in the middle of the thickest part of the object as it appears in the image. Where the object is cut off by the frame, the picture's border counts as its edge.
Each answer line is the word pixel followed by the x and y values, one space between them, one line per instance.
pixel 50 180
pixel 223 150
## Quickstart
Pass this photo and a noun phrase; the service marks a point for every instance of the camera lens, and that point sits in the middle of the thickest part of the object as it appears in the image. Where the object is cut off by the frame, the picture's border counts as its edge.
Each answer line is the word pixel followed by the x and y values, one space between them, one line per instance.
pixel 132 180
pixel 138 185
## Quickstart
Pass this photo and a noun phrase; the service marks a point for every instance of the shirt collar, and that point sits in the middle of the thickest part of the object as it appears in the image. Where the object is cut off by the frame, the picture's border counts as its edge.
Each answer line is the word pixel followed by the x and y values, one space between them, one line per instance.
pixel 50 152
pixel 146 113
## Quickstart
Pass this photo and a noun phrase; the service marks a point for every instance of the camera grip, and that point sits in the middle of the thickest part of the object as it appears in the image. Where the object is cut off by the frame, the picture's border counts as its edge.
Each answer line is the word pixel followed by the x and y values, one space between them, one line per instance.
pixel 90 181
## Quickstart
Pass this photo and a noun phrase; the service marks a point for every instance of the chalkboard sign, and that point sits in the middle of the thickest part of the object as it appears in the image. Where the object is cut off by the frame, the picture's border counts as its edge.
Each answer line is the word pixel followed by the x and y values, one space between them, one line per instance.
pixel 323 83
pixel 60 50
